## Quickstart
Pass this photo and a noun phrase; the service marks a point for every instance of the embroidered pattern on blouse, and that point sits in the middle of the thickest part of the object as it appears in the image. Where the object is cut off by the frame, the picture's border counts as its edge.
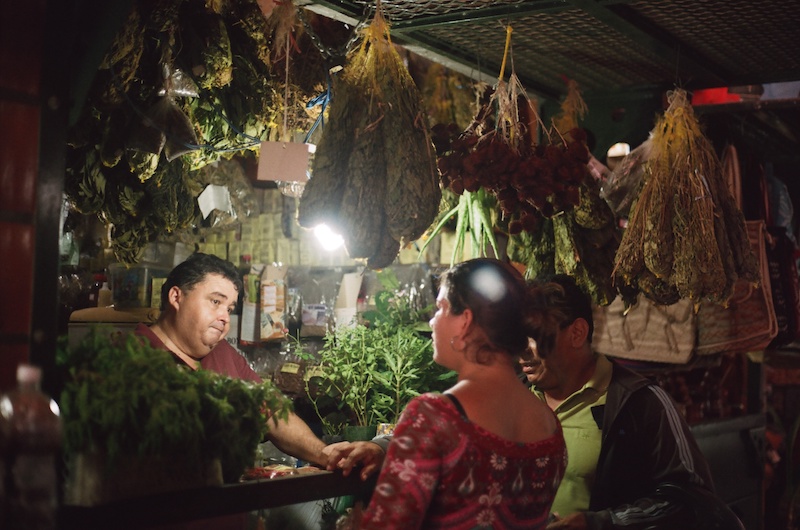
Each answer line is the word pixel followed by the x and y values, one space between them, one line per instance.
pixel 443 472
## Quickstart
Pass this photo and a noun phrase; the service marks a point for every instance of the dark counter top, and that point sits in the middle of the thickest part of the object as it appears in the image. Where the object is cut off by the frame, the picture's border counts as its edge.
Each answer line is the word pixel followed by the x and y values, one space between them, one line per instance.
pixel 200 503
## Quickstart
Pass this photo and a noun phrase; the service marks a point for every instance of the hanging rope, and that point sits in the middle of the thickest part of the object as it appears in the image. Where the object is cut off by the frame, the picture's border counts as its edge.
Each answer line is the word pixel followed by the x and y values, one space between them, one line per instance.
pixel 509 30
pixel 285 134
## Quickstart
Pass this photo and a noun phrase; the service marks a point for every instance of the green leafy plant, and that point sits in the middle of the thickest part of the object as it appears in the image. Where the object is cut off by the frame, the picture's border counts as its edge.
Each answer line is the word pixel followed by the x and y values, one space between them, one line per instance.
pixel 474 215
pixel 396 306
pixel 371 371
pixel 124 397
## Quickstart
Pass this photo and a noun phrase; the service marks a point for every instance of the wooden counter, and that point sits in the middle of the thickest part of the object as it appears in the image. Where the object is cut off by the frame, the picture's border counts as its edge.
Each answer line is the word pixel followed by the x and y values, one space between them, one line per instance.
pixel 200 503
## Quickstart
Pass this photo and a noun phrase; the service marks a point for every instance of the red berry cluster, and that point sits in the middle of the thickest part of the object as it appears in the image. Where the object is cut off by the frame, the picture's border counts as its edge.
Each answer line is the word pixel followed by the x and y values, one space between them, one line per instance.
pixel 528 183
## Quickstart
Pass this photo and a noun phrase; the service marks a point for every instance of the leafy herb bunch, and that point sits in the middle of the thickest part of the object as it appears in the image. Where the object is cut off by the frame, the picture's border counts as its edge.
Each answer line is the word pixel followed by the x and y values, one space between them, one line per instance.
pixel 371 370
pixel 124 397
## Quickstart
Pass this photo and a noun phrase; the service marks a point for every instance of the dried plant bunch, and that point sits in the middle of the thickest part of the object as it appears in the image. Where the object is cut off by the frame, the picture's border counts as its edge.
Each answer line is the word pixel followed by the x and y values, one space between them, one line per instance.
pixel 686 236
pixel 376 138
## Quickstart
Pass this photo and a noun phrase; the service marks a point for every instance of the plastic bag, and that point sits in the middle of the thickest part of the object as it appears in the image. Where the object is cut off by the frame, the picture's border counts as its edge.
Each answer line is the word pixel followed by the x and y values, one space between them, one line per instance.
pixel 624 182
pixel 165 127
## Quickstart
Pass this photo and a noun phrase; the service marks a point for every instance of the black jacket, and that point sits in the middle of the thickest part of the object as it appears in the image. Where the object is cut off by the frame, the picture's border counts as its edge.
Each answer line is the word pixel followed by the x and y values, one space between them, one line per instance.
pixel 650 471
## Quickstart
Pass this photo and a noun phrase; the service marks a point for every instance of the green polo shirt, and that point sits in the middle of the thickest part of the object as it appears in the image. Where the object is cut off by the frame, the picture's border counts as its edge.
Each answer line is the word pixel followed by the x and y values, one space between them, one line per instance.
pixel 583 438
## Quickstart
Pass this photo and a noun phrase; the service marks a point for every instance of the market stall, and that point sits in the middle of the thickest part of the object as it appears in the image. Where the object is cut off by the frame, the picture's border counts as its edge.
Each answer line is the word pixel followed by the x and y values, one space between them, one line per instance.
pixel 174 108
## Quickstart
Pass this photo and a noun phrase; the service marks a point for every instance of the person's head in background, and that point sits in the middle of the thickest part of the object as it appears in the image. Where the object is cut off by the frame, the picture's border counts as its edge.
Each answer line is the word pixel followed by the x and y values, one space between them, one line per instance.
pixel 560 346
pixel 197 299
pixel 481 311
pixel 616 153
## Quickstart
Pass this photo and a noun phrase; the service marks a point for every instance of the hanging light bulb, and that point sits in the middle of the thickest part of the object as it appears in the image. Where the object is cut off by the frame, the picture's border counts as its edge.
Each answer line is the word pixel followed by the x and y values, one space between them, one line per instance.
pixel 328 239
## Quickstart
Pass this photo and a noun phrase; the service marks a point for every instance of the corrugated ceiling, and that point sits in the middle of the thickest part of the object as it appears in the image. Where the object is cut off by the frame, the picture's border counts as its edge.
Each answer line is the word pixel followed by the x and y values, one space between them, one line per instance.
pixel 611 47
pixel 604 45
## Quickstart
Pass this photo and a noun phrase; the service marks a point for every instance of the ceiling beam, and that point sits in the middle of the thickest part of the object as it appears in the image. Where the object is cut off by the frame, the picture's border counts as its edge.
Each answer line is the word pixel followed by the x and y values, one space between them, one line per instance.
pixel 507 11
pixel 352 13
pixel 453 58
pixel 408 34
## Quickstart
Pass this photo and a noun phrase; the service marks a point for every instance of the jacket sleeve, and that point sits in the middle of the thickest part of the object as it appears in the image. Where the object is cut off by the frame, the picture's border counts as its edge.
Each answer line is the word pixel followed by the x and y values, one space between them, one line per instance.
pixel 684 506
pixel 650 445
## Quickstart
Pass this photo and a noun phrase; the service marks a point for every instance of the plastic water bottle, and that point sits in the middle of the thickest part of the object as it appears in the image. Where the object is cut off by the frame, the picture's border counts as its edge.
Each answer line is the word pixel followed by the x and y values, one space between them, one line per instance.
pixel 34 427
pixel 104 297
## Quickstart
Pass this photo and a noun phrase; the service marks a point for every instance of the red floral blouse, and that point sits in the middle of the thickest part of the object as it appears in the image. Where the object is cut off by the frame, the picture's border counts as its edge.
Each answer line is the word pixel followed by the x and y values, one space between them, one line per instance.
pixel 443 471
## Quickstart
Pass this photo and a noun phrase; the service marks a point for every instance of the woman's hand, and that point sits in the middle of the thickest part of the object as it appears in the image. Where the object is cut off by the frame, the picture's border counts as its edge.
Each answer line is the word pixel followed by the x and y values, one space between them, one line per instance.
pixel 346 455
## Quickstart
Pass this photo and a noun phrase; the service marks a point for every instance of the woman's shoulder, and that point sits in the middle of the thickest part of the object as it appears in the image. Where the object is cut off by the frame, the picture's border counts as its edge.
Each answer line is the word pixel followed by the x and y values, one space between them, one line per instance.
pixel 434 401
pixel 433 409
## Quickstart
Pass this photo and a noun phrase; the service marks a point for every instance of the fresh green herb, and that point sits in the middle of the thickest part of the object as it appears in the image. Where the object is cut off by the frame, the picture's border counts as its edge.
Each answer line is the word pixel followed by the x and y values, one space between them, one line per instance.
pixel 396 306
pixel 124 397
pixel 371 371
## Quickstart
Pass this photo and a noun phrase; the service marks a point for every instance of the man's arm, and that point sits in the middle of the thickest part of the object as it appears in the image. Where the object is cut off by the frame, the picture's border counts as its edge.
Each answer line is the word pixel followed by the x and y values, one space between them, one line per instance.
pixel 669 462
pixel 294 437
pixel 686 506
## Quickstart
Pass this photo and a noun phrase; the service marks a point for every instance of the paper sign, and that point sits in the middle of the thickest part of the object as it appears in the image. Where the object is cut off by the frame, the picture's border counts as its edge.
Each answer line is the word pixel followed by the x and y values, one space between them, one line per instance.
pixel 284 161
pixel 214 198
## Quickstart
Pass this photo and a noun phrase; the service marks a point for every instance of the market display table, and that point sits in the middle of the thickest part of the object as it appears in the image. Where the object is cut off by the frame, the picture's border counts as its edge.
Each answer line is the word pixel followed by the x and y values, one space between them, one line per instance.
pixel 201 503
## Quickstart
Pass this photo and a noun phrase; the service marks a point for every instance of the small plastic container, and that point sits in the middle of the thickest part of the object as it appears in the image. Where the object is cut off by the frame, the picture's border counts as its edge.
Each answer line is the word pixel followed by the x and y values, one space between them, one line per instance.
pixel 132 286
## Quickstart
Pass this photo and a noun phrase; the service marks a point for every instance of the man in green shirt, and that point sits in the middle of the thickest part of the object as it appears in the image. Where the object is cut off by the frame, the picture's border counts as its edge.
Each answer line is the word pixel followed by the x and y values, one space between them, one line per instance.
pixel 581 434
pixel 633 462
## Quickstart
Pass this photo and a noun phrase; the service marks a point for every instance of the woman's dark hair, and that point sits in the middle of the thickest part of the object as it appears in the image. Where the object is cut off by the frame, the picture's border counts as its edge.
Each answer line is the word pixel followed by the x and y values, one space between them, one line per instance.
pixel 194 270
pixel 496 294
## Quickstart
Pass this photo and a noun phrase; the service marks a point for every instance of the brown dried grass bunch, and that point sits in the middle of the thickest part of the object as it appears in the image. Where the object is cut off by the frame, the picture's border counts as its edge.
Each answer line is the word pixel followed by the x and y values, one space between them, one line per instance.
pixel 686 236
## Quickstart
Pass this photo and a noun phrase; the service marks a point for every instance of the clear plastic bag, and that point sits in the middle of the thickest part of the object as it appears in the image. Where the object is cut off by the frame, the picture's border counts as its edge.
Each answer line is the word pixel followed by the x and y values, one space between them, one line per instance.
pixel 624 182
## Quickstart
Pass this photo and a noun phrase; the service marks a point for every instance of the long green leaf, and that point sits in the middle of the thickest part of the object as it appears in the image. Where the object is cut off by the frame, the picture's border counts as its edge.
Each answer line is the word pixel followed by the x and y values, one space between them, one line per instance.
pixel 438 228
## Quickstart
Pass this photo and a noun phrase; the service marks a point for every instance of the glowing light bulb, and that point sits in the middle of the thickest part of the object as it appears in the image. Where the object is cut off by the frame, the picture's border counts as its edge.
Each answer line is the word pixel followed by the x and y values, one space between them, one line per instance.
pixel 329 239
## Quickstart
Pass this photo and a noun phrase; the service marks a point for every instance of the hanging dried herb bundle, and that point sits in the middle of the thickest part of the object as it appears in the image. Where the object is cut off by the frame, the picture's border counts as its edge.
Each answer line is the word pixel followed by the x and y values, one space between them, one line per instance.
pixel 500 152
pixel 501 155
pixel 139 174
pixel 448 95
pixel 374 176
pixel 573 109
pixel 580 241
pixel 686 236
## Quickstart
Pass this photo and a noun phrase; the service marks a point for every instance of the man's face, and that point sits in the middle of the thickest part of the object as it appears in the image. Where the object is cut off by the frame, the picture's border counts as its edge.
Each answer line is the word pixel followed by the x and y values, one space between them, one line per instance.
pixel 203 313
pixel 545 373
pixel 533 368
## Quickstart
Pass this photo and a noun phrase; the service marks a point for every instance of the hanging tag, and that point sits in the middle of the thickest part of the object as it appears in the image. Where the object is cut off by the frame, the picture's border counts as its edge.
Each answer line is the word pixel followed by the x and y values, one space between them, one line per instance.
pixel 284 161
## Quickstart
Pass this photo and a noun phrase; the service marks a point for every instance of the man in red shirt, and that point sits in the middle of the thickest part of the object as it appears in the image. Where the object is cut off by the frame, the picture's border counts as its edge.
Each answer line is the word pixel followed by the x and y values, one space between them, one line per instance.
pixel 197 300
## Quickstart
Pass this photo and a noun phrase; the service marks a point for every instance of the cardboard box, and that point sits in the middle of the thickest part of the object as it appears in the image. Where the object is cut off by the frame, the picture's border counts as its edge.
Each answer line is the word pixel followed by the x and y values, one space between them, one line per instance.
pixel 284 161
pixel 273 303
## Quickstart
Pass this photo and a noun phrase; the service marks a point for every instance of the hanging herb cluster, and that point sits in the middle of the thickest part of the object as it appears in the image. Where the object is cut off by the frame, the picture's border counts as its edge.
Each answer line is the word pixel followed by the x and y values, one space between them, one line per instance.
pixel 374 176
pixel 185 83
pixel 580 241
pixel 499 152
pixel 686 236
